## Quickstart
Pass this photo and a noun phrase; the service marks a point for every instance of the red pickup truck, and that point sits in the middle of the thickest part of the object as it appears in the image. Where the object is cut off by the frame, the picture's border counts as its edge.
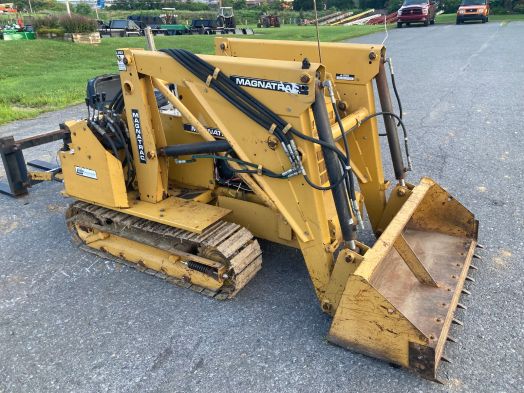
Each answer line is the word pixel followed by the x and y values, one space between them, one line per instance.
pixel 417 11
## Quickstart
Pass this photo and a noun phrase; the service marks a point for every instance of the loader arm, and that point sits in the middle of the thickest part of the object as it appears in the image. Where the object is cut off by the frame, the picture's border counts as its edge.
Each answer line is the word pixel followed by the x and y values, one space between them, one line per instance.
pixel 352 67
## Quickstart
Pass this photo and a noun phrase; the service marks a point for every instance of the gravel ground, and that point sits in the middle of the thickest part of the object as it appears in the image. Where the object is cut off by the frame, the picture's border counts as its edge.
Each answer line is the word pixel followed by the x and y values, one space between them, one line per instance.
pixel 73 322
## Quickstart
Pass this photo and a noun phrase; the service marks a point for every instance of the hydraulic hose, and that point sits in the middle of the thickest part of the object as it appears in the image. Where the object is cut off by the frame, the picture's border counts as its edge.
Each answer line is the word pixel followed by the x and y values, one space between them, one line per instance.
pixel 350 181
pixel 393 83
pixel 333 168
pixel 105 136
pixel 115 129
pixel 401 122
pixel 257 112
pixel 217 146
pixel 248 105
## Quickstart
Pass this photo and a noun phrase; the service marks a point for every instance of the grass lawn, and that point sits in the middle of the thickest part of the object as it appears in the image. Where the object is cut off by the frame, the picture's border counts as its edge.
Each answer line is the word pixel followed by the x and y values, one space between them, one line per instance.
pixel 451 18
pixel 43 75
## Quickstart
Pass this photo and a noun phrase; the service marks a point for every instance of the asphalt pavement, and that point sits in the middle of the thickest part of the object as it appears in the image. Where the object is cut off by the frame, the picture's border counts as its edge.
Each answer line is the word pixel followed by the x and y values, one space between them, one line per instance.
pixel 73 322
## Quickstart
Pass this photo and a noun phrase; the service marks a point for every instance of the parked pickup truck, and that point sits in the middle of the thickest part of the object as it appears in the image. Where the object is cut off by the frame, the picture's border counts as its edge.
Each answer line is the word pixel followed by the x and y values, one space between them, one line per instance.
pixel 417 11
pixel 119 28
pixel 473 10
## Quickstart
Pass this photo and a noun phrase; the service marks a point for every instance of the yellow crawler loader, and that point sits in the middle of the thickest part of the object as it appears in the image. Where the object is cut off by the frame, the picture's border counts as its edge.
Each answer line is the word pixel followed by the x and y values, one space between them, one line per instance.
pixel 190 158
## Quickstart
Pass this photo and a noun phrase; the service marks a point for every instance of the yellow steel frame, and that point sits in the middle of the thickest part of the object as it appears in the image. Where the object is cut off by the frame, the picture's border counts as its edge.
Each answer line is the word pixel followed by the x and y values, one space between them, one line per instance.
pixel 302 216
pixel 359 62
pixel 308 212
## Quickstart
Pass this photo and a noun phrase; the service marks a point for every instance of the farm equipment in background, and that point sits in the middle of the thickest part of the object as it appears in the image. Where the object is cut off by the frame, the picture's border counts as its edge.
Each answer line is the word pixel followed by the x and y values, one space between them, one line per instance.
pixel 154 22
pixel 226 23
pixel 266 21
pixel 16 31
pixel 8 8
pixel 210 26
pixel 203 26
pixel 9 34
pixel 159 24
pixel 119 28
pixel 226 18
pixel 16 26
pixel 170 23
pixel 261 140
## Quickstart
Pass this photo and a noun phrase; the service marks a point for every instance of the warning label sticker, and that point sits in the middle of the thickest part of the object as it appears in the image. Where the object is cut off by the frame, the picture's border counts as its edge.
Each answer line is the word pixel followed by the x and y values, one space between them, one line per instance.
pixel 80 171
pixel 345 77
pixel 120 60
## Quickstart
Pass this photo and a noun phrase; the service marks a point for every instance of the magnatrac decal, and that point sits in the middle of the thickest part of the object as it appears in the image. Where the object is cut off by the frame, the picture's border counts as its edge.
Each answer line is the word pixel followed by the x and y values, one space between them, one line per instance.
pixel 138 133
pixel 266 84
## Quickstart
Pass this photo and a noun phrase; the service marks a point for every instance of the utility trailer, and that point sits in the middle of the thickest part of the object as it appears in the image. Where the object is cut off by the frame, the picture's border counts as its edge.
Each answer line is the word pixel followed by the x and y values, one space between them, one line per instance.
pixel 203 26
pixel 160 25
pixel 119 28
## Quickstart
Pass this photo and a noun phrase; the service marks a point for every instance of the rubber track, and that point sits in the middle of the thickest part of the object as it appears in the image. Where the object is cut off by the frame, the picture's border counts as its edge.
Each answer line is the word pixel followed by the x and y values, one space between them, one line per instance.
pixel 233 243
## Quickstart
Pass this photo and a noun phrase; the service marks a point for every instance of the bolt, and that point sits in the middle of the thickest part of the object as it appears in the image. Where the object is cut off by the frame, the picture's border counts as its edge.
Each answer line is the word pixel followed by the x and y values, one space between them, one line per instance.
pixel 223 46
pixel 151 154
pixel 305 78
pixel 126 61
pixel 401 192
pixel 349 258
pixel 342 105
pixel 372 55
pixel 272 142
pixel 306 64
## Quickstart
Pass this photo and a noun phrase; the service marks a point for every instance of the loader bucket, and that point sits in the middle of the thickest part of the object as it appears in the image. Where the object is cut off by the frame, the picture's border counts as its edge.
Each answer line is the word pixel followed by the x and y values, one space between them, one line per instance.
pixel 399 303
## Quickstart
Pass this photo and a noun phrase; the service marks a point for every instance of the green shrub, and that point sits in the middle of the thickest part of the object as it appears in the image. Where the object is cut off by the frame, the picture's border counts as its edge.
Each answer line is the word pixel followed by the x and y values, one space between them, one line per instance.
pixel 78 24
pixel 39 5
pixel 519 8
pixel 451 6
pixel 46 22
pixel 65 23
pixel 394 5
pixel 44 30
pixel 498 10
pixel 83 9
